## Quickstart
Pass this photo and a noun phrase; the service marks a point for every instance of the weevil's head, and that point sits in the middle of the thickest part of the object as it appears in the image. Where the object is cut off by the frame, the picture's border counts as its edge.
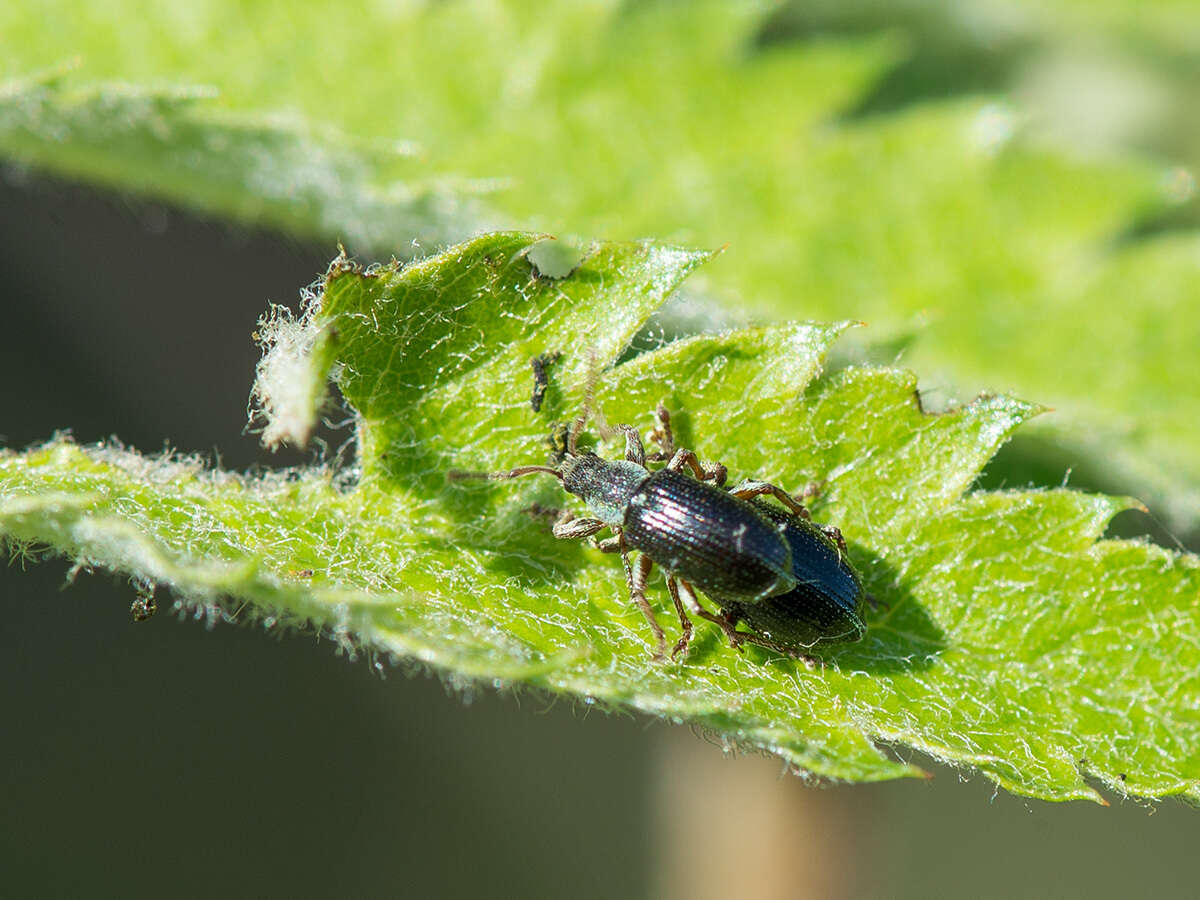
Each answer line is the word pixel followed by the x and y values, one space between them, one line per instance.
pixel 607 486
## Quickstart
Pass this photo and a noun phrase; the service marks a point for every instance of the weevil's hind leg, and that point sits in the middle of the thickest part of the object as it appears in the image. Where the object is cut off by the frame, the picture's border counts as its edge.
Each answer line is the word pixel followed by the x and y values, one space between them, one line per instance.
pixel 637 578
pixel 714 472
pixel 748 489
pixel 726 623
pixel 681 646
pixel 810 662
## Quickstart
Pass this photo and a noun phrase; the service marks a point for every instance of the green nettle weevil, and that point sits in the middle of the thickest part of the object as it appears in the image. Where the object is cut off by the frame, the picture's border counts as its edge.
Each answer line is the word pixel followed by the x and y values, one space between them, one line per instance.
pixel 769 567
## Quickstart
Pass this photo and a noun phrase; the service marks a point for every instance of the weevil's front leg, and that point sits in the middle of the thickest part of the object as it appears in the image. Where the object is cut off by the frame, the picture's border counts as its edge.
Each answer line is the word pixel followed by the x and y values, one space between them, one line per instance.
pixel 637 578
pixel 634 451
pixel 665 438
pixel 567 528
pixel 685 640
pixel 714 472
pixel 748 489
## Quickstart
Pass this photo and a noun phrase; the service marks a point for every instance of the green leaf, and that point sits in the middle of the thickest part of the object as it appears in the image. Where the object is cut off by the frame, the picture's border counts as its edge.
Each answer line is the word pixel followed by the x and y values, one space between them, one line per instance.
pixel 949 222
pixel 1010 636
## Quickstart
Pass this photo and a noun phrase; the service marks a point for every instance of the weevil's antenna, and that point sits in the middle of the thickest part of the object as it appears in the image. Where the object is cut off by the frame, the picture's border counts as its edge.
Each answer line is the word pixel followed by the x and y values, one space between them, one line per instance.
pixel 589 402
pixel 573 435
pixel 460 475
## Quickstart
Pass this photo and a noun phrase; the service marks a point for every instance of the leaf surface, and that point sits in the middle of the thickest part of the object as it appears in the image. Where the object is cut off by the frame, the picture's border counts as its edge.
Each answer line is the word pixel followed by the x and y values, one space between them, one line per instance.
pixel 1010 636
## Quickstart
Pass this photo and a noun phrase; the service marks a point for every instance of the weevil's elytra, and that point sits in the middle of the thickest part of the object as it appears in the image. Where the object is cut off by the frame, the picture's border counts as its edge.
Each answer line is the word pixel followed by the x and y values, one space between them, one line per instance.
pixel 768 567
pixel 826 604
pixel 708 537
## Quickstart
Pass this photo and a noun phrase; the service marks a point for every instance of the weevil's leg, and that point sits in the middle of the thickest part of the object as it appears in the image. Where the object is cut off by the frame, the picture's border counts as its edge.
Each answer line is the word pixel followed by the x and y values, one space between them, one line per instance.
pixel 714 472
pixel 835 535
pixel 566 529
pixel 681 645
pixel 748 489
pixel 662 434
pixel 810 662
pixel 727 624
pixel 634 451
pixel 665 438
pixel 610 544
pixel 637 590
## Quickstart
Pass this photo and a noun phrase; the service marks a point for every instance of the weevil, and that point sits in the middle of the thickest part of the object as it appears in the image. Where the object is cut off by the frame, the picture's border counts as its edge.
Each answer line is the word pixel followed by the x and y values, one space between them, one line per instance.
pixel 771 568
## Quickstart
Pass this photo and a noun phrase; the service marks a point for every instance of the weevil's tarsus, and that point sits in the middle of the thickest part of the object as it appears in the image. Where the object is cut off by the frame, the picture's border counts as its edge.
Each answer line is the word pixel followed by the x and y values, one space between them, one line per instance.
pixel 834 534
pixel 634 451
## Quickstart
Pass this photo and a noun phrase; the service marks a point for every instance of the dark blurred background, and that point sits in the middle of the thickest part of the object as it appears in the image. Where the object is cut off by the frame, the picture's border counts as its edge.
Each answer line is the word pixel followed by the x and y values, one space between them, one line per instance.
pixel 170 758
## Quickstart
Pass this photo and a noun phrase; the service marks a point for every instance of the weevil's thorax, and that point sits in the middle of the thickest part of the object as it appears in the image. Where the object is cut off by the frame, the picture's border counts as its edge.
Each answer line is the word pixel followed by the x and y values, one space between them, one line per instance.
pixel 605 485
